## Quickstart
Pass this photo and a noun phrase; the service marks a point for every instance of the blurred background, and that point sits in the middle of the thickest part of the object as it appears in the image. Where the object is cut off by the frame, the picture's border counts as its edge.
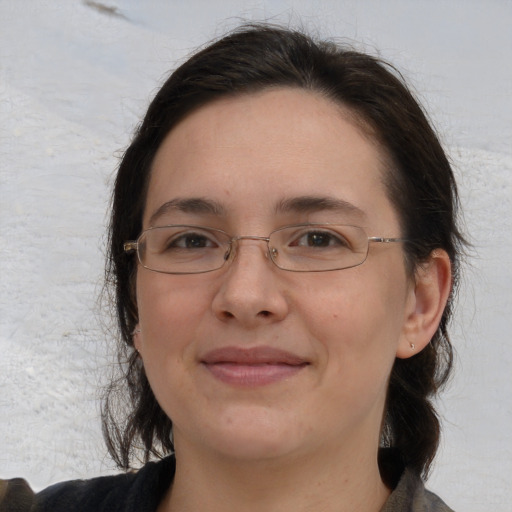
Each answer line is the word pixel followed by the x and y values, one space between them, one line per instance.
pixel 75 78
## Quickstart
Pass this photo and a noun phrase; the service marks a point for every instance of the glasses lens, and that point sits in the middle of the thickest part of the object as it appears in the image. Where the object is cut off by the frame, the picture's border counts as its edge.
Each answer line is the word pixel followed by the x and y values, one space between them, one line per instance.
pixel 317 248
pixel 183 249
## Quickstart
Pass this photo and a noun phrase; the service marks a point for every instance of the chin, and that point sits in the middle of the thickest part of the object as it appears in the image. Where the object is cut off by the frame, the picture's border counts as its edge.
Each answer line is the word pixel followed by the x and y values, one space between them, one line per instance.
pixel 252 435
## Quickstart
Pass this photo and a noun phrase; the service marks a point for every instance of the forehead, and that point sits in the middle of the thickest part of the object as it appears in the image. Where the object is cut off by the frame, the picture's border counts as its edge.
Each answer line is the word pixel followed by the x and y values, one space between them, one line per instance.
pixel 293 117
pixel 253 151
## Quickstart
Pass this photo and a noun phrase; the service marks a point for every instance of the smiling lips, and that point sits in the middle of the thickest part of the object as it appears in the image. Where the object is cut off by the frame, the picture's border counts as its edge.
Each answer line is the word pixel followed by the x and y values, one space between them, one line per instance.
pixel 252 367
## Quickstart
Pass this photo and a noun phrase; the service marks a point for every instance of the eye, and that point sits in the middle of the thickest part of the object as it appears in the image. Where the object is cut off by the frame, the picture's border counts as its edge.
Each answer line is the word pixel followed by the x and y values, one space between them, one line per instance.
pixel 320 239
pixel 191 240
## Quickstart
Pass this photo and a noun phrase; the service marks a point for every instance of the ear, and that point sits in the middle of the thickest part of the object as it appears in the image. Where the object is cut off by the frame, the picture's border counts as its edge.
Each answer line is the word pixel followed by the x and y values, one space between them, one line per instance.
pixel 136 335
pixel 425 304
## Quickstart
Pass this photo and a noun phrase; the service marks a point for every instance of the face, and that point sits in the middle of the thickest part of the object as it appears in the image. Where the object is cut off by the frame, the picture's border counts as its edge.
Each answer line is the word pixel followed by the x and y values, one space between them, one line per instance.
pixel 250 361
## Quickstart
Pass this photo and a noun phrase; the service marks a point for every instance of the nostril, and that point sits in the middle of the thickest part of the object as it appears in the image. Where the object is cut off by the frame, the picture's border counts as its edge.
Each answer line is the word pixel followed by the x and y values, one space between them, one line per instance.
pixel 264 313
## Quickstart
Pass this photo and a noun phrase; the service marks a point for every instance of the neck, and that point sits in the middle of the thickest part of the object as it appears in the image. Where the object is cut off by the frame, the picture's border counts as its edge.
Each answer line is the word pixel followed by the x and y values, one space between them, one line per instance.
pixel 323 482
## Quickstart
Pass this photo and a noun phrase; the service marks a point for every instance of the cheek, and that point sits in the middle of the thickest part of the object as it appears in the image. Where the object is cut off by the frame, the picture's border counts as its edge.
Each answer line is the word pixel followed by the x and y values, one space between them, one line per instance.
pixel 351 320
pixel 170 309
pixel 357 317
pixel 170 314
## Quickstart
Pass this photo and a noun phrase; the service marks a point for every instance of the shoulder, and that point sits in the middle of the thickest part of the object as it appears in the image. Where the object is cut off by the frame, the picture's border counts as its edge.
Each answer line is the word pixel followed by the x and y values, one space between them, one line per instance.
pixel 103 493
pixel 15 494
pixel 139 491
pixel 410 495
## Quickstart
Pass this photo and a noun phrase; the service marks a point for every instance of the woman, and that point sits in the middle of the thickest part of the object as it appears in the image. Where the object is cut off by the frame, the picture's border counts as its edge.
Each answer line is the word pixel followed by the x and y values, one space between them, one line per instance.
pixel 284 250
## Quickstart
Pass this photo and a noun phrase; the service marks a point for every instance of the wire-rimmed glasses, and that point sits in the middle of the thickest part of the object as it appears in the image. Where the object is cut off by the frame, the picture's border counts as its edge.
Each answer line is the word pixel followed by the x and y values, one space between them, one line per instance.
pixel 188 249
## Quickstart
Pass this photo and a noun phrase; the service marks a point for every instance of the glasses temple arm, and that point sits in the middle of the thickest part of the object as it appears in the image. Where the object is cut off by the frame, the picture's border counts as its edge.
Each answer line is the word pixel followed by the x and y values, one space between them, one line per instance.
pixel 385 240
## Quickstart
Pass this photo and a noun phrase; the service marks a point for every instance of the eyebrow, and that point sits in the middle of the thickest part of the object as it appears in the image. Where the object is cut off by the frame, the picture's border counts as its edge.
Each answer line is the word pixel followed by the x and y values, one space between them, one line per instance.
pixel 198 205
pixel 301 204
pixel 310 204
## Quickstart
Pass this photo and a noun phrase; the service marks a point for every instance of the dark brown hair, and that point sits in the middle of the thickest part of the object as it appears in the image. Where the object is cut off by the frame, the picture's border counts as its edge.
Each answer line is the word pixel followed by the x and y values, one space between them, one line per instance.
pixel 419 182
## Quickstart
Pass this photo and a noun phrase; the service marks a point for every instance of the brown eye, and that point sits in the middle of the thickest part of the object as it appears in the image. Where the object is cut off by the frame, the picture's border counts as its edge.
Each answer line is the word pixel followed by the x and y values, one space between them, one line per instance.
pixel 319 239
pixel 191 241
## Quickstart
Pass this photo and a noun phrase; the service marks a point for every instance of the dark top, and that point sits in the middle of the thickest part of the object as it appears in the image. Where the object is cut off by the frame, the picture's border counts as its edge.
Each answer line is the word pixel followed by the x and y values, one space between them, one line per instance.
pixel 142 491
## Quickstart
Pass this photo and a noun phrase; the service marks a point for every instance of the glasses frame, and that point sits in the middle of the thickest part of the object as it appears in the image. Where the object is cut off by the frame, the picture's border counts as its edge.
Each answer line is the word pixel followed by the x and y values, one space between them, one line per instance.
pixel 133 245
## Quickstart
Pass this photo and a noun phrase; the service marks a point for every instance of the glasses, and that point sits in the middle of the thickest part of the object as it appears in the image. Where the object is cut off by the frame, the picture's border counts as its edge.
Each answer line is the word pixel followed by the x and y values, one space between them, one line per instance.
pixel 184 249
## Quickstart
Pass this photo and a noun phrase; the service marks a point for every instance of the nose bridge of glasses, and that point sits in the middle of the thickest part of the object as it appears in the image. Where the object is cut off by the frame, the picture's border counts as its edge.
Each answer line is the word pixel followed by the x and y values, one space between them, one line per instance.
pixel 235 241
pixel 250 237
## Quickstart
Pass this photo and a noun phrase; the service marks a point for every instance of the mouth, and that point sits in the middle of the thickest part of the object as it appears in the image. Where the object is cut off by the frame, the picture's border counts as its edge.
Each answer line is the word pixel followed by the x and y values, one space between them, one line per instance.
pixel 251 367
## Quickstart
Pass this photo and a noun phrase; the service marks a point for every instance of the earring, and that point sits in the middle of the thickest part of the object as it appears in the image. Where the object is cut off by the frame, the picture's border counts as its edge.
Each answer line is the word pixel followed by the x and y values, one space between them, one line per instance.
pixel 412 345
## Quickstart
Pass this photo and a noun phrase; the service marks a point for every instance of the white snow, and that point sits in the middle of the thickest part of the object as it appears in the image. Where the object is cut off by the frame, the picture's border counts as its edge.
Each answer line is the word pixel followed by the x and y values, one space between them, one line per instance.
pixel 74 82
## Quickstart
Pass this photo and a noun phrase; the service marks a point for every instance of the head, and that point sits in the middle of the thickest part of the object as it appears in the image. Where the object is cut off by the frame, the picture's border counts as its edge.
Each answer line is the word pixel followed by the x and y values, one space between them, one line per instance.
pixel 416 174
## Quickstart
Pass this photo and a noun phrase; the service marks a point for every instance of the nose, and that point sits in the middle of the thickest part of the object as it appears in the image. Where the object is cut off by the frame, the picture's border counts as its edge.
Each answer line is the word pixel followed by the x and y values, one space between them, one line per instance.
pixel 250 291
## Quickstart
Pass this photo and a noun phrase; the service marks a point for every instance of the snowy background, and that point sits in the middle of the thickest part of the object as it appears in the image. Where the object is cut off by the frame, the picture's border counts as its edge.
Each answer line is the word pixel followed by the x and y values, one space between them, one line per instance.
pixel 75 77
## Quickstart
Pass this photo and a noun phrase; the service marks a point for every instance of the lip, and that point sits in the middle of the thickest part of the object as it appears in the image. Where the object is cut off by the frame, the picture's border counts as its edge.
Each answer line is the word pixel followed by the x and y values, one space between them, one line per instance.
pixel 251 367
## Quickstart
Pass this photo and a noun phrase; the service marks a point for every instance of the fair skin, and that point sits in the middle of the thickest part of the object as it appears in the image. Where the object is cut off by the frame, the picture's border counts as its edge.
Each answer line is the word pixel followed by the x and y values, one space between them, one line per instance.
pixel 308 438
